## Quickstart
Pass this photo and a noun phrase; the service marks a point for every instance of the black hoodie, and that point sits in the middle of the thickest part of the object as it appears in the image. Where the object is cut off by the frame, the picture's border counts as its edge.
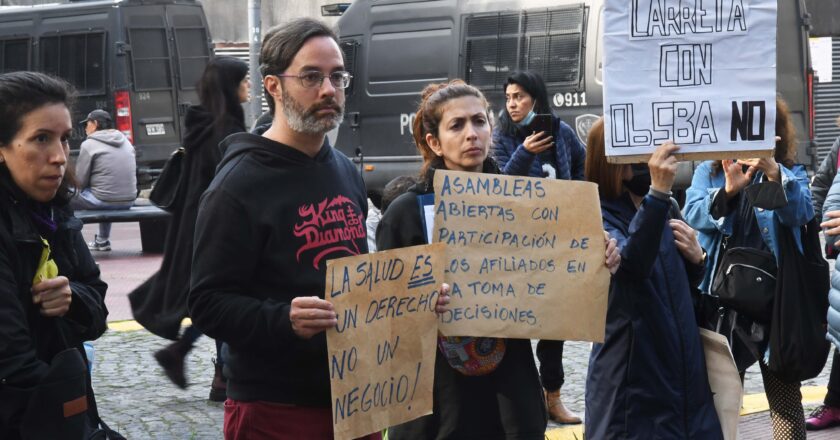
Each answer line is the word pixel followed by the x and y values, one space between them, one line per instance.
pixel 266 226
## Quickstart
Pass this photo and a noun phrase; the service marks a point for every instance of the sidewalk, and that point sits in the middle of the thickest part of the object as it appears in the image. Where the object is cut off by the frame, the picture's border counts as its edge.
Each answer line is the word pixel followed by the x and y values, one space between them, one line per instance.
pixel 136 399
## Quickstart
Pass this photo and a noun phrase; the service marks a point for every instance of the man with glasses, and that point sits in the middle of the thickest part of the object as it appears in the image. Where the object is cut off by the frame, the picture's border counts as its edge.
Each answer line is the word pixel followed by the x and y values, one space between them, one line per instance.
pixel 280 206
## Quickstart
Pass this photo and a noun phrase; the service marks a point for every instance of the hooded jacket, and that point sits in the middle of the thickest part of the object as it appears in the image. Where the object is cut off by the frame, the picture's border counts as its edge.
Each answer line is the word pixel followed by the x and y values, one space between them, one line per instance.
pixel 107 166
pixel 832 203
pixel 28 340
pixel 160 304
pixel 266 226
pixel 648 379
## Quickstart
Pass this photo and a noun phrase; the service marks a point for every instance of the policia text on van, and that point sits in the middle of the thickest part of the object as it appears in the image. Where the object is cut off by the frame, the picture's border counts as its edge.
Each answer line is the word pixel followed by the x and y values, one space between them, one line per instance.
pixel 138 60
pixel 394 48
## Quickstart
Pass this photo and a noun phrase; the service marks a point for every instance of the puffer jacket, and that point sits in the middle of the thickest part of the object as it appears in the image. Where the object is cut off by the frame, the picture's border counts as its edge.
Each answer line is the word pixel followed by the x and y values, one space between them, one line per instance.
pixel 832 203
pixel 513 159
pixel 824 177
pixel 28 340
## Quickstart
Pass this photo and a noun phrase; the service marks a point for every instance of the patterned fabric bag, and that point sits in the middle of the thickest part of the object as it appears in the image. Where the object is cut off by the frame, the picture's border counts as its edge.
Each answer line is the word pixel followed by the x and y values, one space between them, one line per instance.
pixel 472 356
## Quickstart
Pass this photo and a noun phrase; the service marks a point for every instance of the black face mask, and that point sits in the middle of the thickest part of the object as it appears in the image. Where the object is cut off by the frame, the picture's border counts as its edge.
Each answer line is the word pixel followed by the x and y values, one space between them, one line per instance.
pixel 639 184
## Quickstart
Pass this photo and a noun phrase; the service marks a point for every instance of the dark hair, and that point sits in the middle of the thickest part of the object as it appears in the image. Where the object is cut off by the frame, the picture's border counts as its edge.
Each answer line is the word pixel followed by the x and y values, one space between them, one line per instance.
pixel 430 112
pixel 533 85
pixel 103 124
pixel 218 89
pixel 395 188
pixel 597 169
pixel 21 93
pixel 786 147
pixel 281 44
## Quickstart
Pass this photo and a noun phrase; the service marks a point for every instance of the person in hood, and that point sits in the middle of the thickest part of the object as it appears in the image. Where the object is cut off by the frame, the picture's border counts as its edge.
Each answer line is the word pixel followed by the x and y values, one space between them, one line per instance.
pixel 106 172
pixel 51 296
pixel 647 380
pixel 160 304
pixel 521 151
pixel 281 205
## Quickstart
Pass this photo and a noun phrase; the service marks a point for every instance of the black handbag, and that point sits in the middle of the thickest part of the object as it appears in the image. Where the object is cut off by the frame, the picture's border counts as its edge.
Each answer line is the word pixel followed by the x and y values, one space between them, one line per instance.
pixel 167 193
pixel 746 282
pixel 63 405
pixel 798 347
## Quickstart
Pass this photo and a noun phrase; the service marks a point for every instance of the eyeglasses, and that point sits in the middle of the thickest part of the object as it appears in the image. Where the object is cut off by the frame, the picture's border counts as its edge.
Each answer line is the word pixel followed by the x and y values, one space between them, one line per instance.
pixel 313 78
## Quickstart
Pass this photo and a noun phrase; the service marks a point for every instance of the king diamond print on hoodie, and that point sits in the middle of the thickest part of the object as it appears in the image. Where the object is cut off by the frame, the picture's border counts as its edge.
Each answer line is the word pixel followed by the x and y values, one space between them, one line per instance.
pixel 328 227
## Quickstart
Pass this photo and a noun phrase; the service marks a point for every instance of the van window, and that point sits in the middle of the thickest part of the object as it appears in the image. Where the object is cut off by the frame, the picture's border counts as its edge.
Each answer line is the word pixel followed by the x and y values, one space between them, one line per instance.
pixel 193 55
pixel 14 55
pixel 150 59
pixel 78 58
pixel 550 42
pixel 348 48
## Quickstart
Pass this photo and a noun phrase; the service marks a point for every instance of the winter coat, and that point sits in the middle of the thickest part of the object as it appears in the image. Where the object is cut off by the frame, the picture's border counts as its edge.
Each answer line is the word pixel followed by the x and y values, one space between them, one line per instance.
pixel 107 166
pixel 28 340
pixel 504 404
pixel 698 204
pixel 160 304
pixel 513 159
pixel 824 177
pixel 832 203
pixel 648 379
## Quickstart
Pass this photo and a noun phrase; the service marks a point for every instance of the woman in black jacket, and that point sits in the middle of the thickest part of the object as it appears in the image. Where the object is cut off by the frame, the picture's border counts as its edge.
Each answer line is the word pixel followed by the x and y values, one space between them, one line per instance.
pixel 51 297
pixel 160 304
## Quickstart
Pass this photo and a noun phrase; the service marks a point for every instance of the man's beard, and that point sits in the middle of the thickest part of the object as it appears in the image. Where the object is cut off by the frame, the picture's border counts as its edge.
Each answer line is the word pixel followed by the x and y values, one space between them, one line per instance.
pixel 307 121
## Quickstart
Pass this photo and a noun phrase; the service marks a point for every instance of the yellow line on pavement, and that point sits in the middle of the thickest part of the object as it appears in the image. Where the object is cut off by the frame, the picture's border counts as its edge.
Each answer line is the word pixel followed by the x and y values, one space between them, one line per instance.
pixel 574 432
pixel 131 325
pixel 753 403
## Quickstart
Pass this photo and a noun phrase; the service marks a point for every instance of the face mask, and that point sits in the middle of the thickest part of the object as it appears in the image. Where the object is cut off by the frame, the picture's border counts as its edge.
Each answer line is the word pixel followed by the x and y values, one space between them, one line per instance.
pixel 526 121
pixel 639 184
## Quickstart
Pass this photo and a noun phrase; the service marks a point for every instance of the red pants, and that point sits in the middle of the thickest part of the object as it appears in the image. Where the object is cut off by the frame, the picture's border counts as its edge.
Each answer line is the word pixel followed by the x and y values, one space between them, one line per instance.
pixel 276 421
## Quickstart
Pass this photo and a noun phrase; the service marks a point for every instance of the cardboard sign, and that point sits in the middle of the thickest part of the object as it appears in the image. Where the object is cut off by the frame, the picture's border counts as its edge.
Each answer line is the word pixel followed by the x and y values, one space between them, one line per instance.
pixel 382 352
pixel 702 74
pixel 525 256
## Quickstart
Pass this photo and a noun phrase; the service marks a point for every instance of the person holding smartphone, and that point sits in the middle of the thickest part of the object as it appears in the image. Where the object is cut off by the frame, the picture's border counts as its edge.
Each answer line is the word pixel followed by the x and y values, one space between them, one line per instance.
pixel 531 141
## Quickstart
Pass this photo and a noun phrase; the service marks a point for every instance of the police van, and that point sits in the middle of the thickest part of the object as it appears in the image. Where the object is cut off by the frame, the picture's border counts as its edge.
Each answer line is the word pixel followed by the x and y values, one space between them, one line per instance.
pixel 137 59
pixel 394 48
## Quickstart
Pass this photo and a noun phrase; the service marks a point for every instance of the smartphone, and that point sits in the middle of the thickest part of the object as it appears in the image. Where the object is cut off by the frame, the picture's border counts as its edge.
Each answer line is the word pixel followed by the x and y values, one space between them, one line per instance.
pixel 542 122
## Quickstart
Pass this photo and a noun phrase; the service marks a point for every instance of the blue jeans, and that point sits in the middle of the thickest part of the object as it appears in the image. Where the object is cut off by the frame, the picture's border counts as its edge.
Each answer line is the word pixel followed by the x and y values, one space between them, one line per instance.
pixel 86 200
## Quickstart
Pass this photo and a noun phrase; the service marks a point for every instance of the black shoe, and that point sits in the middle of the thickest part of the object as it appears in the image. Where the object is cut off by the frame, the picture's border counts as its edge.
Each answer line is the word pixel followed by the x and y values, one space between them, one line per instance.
pixel 171 359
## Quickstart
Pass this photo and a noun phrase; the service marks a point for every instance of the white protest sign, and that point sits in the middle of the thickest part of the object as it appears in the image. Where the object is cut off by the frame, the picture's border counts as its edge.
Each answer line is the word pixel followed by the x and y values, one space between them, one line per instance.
pixel 701 73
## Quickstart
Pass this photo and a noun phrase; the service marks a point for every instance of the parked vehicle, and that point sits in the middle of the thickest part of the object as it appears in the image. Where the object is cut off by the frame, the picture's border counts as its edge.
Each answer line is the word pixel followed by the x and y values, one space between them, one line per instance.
pixel 394 48
pixel 137 59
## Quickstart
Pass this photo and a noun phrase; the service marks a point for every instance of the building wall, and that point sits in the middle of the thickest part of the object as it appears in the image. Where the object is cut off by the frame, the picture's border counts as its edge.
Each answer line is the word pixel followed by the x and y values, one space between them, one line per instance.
pixel 228 19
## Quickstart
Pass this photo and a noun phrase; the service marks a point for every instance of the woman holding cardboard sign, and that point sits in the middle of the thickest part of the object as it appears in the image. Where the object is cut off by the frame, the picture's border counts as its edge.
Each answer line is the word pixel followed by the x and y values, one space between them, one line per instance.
pixel 484 388
pixel 494 395
pixel 648 379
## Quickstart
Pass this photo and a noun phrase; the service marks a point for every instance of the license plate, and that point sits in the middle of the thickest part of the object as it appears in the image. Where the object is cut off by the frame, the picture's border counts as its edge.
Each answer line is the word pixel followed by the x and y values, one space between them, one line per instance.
pixel 155 129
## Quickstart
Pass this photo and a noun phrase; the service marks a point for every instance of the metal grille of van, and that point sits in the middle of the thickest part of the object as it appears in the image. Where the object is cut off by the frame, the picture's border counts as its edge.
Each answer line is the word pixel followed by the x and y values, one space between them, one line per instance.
pixel 549 42
pixel 827 106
